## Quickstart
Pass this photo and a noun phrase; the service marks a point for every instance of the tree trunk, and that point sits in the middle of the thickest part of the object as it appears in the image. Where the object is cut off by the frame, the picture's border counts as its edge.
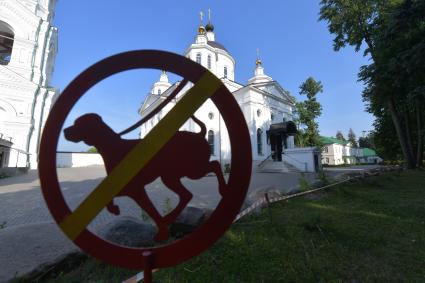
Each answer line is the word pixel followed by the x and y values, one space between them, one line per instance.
pixel 401 137
pixel 408 132
pixel 420 147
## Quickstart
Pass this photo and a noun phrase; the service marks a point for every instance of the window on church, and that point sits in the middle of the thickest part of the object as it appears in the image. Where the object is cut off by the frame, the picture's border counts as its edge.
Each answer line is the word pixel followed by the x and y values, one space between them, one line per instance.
pixel 225 72
pixel 211 141
pixel 198 58
pixel 159 91
pixel 209 62
pixel 6 43
pixel 260 142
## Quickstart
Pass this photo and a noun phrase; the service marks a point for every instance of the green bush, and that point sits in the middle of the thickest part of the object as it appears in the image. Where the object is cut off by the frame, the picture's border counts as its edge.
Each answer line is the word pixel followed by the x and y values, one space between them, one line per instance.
pixel 324 179
pixel 303 184
pixel 3 175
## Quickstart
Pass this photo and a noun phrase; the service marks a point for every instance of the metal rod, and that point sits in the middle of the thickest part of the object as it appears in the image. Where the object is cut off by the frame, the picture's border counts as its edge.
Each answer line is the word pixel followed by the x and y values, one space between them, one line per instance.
pixel 219 138
pixel 147 266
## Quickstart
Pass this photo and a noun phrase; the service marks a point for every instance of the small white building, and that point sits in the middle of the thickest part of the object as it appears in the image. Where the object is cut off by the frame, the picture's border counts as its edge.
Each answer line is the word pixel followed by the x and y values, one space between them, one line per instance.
pixel 339 152
pixel 28 46
pixel 265 104
pixel 333 151
pixel 368 156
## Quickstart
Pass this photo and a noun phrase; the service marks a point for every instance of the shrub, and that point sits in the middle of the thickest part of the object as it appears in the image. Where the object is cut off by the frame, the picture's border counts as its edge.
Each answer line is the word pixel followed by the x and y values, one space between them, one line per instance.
pixel 303 184
pixel 227 168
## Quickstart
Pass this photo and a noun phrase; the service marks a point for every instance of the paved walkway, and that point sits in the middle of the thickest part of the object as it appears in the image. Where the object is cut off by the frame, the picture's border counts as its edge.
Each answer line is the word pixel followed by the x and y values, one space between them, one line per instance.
pixel 29 237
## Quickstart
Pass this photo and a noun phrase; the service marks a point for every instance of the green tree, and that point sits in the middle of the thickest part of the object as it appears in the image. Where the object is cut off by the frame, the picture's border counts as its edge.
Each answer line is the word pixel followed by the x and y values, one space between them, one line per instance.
pixel 308 111
pixel 352 138
pixel 393 32
pixel 384 139
pixel 340 136
pixel 92 150
pixel 367 141
pixel 398 75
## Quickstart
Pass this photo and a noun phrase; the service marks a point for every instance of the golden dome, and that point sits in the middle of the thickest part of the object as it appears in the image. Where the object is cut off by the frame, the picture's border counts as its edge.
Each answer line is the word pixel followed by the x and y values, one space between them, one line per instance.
pixel 201 29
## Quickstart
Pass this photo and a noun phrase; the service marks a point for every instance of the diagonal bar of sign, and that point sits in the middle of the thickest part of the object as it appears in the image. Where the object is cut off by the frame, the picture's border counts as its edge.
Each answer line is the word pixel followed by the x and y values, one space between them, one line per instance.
pixel 140 155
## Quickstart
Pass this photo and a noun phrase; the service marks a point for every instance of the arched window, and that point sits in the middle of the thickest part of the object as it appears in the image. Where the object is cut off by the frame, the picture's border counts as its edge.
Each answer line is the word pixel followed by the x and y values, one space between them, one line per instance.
pixel 6 43
pixel 225 72
pixel 211 141
pixel 198 58
pixel 260 142
pixel 159 91
pixel 209 61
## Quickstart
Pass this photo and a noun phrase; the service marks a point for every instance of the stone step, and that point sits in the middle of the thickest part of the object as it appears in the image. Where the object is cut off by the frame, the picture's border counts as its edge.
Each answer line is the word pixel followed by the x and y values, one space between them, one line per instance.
pixel 277 167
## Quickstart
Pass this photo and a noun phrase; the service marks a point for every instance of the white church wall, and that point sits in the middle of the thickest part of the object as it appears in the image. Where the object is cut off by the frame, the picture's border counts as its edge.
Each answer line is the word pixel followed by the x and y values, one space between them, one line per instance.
pixel 17 158
pixel 231 86
pixel 219 60
pixel 24 80
pixel 222 62
pixel 290 141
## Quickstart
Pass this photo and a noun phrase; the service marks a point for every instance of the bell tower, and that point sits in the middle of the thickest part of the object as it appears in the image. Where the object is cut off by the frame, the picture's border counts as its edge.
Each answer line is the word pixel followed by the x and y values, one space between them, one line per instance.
pixel 28 47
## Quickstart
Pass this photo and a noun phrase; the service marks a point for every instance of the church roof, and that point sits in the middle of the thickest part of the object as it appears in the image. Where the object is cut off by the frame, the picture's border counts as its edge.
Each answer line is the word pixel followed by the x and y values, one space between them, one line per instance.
pixel 216 44
pixel 332 140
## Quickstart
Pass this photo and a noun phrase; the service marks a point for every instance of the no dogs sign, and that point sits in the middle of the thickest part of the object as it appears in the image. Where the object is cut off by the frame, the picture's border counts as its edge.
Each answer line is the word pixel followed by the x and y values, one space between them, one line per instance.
pixel 134 163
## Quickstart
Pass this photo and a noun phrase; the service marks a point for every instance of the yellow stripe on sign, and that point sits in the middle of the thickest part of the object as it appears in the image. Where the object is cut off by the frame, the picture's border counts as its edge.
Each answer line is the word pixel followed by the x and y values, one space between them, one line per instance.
pixel 139 156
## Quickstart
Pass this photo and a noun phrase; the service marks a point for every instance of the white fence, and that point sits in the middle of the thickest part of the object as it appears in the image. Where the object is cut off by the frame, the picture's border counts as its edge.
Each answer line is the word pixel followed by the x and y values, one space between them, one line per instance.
pixel 303 158
pixel 77 159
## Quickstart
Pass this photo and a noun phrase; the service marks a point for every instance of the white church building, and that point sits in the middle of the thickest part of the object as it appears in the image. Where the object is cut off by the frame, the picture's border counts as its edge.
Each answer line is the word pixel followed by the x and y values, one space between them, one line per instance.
pixel 28 46
pixel 267 107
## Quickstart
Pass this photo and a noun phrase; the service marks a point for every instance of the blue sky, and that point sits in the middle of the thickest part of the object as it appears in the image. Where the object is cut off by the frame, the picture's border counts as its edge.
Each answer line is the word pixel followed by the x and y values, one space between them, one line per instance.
pixel 293 46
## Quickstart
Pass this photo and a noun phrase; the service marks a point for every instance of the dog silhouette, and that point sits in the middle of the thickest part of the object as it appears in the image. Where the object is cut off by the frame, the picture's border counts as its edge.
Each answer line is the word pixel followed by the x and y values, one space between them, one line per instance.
pixel 186 154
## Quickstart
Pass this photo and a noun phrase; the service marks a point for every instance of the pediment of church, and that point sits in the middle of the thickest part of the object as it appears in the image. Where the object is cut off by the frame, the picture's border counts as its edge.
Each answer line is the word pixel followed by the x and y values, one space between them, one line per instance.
pixel 273 88
pixel 150 99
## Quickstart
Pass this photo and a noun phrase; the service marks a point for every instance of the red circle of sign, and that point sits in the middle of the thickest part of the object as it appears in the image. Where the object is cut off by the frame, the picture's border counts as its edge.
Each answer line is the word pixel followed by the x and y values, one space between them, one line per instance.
pixel 226 210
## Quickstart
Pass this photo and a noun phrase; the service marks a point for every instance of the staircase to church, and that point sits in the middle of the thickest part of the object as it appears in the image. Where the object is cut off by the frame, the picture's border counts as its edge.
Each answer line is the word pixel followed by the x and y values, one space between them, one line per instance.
pixel 270 166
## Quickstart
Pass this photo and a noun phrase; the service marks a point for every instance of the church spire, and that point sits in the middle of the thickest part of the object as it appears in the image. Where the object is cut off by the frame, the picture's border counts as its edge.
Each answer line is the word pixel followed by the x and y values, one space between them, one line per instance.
pixel 258 61
pixel 259 75
pixel 210 28
pixel 201 28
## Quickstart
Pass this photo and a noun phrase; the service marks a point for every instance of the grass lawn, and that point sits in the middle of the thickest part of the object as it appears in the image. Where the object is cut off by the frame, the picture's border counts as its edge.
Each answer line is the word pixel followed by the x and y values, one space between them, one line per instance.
pixel 368 231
